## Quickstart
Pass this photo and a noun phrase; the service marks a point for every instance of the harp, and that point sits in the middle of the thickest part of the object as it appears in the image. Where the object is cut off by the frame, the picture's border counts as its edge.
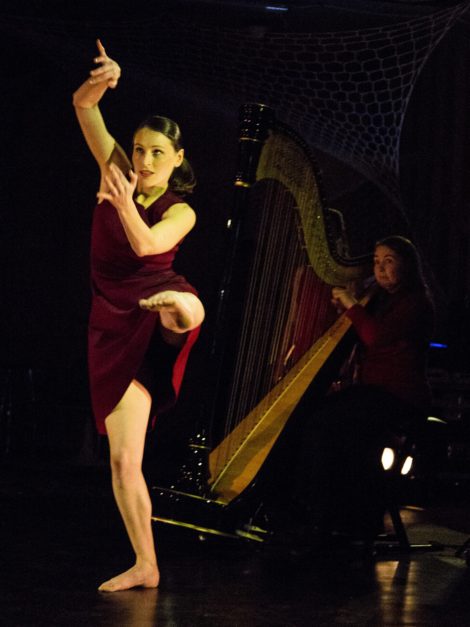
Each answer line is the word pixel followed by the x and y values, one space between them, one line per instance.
pixel 276 334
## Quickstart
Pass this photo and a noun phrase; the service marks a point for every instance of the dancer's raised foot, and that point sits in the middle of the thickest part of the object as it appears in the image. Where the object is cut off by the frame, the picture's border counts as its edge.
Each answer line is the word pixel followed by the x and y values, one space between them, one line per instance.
pixel 137 576
pixel 176 304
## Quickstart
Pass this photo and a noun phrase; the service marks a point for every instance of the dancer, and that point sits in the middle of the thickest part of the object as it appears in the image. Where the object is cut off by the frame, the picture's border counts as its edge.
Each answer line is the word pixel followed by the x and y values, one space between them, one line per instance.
pixel 144 317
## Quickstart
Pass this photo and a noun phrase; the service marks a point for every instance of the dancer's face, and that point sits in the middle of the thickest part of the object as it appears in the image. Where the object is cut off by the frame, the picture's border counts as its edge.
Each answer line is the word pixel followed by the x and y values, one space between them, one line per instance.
pixel 154 159
pixel 388 268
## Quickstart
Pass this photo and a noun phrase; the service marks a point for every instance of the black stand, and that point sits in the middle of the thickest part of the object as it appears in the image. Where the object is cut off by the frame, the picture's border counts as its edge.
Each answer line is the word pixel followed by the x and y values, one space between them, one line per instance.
pixel 399 541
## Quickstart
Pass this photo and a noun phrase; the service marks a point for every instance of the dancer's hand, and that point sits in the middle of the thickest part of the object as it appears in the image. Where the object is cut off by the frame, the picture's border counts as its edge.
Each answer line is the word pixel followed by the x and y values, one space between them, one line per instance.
pixel 119 191
pixel 108 72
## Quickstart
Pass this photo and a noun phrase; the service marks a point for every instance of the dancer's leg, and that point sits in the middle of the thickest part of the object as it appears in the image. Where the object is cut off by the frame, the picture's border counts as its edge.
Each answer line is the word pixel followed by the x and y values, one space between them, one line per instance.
pixel 126 427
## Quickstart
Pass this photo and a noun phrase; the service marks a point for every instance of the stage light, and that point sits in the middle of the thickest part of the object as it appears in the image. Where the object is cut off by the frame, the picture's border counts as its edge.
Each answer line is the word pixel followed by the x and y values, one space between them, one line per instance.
pixel 276 7
pixel 388 458
pixel 407 464
pixel 391 459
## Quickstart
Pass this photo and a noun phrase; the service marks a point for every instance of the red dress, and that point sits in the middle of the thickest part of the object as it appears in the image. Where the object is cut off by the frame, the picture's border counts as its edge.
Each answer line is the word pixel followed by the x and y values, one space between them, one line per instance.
pixel 395 337
pixel 120 332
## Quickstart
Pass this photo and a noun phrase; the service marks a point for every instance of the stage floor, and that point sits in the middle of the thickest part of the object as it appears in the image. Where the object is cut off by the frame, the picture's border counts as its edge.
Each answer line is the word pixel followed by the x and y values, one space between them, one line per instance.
pixel 61 536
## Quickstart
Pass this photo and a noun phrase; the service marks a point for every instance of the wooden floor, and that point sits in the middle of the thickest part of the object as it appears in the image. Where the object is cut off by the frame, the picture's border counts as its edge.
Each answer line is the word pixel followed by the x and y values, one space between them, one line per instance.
pixel 61 536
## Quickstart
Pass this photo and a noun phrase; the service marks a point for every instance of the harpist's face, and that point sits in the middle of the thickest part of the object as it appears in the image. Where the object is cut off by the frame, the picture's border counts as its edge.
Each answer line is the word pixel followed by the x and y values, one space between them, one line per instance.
pixel 387 268
pixel 154 159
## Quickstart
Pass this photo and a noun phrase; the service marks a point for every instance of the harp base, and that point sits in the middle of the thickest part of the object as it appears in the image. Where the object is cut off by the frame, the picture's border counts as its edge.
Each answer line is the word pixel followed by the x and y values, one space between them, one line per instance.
pixel 202 515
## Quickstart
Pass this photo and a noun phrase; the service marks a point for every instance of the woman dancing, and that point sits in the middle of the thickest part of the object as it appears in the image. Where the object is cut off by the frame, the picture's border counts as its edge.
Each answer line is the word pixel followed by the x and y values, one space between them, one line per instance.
pixel 144 317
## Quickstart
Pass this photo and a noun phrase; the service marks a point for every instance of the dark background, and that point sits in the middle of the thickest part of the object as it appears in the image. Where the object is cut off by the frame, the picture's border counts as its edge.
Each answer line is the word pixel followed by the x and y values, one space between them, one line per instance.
pixel 49 180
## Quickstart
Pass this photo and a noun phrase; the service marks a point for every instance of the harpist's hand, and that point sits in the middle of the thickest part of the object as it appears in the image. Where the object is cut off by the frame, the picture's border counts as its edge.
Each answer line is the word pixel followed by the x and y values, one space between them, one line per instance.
pixel 342 298
pixel 119 191
pixel 108 72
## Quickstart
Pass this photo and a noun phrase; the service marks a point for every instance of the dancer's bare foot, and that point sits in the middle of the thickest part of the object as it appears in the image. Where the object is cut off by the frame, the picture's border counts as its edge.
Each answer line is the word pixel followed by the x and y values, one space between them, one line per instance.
pixel 137 576
pixel 176 304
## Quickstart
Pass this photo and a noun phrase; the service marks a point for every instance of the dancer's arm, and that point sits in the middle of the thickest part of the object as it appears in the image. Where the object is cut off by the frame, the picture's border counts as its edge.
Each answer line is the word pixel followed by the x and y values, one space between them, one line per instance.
pixel 102 144
pixel 176 222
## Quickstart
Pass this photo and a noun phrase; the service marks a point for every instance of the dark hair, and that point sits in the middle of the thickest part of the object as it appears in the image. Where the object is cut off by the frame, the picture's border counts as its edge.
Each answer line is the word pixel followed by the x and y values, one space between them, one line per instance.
pixel 182 181
pixel 412 269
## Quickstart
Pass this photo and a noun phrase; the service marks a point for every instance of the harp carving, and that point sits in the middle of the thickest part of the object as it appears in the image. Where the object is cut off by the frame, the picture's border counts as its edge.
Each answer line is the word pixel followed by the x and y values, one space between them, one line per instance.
pixel 276 328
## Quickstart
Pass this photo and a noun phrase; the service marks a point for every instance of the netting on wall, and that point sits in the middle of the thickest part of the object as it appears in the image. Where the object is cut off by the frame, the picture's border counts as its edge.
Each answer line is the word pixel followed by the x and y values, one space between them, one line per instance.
pixel 345 93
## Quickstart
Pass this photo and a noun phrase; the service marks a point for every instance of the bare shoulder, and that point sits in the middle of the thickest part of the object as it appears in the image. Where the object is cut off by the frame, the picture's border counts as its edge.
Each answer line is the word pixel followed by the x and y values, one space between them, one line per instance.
pixel 180 211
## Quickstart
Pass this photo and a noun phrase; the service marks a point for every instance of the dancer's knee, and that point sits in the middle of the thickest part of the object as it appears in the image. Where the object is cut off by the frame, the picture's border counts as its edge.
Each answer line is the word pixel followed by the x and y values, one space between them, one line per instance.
pixel 125 469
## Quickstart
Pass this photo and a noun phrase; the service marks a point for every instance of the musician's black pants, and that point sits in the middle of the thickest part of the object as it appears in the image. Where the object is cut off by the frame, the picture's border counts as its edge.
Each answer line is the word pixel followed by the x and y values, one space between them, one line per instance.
pixel 338 479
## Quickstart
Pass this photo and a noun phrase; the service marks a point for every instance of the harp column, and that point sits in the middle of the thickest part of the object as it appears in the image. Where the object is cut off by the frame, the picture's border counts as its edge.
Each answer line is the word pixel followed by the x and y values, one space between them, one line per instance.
pixel 255 123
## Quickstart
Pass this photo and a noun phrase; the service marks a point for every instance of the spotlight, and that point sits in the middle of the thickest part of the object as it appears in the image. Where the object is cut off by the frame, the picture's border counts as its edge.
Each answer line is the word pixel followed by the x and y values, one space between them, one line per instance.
pixel 388 458
pixel 391 458
pixel 407 464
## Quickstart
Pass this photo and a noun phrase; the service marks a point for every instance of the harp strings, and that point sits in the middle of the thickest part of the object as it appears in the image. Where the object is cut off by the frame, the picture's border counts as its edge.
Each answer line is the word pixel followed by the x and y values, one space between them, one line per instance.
pixel 287 308
pixel 264 307
pixel 275 263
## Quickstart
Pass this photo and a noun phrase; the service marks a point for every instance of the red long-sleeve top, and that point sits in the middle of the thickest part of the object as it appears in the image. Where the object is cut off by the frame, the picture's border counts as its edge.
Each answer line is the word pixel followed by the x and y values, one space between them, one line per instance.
pixel 395 331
